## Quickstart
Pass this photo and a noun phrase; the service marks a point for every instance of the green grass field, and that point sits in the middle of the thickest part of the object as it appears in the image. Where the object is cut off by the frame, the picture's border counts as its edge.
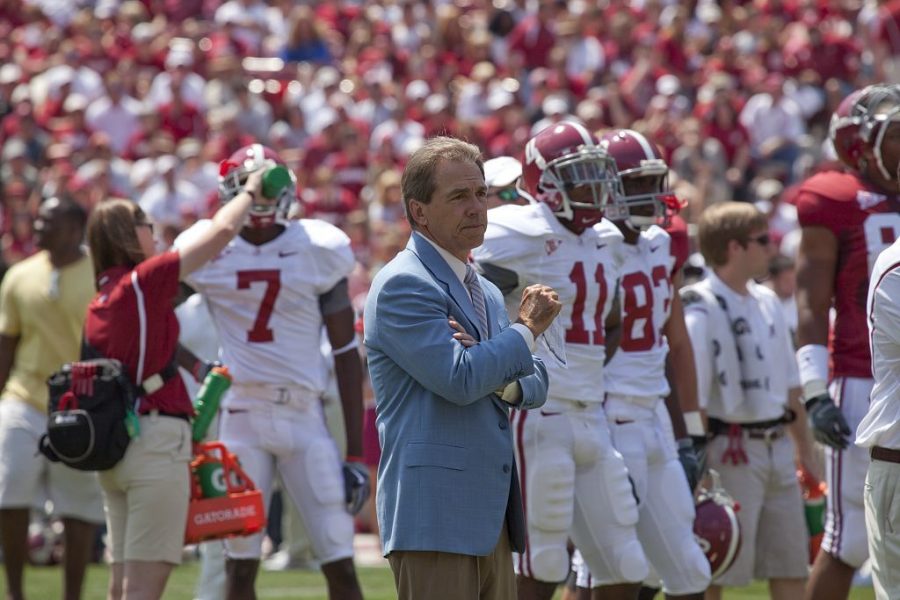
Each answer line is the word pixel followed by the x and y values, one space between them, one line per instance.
pixel 44 584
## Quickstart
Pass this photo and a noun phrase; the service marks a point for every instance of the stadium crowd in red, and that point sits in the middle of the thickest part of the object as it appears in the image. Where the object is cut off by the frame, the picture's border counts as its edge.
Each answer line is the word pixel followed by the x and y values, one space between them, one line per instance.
pixel 142 98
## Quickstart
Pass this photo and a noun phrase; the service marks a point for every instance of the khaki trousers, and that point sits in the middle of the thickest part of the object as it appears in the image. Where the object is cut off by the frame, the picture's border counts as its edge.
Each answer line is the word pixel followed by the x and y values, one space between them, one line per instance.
pixel 446 576
pixel 882 492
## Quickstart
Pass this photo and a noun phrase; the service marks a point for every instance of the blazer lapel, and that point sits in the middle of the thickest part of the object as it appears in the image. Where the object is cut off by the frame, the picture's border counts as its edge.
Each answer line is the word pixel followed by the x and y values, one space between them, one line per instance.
pixel 441 271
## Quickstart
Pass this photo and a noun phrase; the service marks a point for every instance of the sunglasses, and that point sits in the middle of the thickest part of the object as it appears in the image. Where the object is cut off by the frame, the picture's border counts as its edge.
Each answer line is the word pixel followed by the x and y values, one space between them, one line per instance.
pixel 762 240
pixel 508 195
pixel 150 225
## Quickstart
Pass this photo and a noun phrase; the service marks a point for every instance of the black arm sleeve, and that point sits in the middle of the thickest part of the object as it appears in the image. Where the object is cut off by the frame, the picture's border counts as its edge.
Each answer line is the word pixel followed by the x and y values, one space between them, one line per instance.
pixel 336 299
pixel 504 279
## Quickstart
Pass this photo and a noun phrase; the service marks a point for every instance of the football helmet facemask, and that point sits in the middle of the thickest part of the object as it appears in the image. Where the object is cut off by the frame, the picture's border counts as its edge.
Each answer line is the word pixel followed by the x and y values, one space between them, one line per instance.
pixel 567 169
pixel 233 173
pixel 646 199
pixel 860 123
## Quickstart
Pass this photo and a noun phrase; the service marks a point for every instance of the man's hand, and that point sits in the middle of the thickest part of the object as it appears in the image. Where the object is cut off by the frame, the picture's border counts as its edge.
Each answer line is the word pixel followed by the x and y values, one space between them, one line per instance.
pixel 202 368
pixel 687 456
pixel 356 486
pixel 827 422
pixel 540 305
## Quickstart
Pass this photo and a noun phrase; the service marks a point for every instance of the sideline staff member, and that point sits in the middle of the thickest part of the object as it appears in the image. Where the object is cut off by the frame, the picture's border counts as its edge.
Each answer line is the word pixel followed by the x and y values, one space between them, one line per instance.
pixel 443 402
pixel 879 431
pixel 146 495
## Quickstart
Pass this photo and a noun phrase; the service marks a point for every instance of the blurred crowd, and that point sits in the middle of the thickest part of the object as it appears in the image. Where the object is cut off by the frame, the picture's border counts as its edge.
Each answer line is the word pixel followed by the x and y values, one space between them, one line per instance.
pixel 141 99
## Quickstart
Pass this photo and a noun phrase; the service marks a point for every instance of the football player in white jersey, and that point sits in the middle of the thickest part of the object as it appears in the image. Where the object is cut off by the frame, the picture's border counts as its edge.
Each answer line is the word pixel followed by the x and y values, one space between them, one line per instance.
pixel 270 293
pixel 575 484
pixel 640 417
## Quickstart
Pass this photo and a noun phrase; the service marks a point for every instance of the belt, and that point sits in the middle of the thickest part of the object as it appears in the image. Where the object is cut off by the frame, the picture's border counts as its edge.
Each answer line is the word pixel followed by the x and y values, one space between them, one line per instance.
pixel 758 430
pixel 885 454
pixel 154 412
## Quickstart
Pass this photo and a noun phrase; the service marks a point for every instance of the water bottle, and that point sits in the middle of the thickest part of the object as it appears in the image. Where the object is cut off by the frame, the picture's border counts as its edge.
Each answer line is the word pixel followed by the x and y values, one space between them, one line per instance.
pixel 814 509
pixel 275 179
pixel 206 405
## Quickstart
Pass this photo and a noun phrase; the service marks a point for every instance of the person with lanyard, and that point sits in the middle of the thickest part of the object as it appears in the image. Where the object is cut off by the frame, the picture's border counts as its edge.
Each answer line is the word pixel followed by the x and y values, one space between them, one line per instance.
pixel 748 382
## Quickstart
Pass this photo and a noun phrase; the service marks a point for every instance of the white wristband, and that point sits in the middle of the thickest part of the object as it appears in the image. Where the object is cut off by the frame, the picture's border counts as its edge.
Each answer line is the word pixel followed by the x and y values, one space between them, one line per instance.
pixel 693 423
pixel 812 359
pixel 354 343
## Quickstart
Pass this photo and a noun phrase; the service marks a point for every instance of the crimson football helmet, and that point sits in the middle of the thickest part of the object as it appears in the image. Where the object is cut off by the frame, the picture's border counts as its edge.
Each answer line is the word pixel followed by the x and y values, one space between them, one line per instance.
pixel 566 168
pixel 716 526
pixel 860 122
pixel 637 158
pixel 233 173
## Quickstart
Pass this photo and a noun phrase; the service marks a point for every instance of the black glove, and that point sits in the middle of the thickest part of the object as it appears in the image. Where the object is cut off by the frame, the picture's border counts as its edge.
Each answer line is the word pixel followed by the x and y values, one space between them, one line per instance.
pixel 699 442
pixel 687 456
pixel 827 422
pixel 356 486
pixel 202 368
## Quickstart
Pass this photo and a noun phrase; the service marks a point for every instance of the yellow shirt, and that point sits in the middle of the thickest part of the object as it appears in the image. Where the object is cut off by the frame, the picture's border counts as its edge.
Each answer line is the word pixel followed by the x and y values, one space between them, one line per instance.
pixel 48 317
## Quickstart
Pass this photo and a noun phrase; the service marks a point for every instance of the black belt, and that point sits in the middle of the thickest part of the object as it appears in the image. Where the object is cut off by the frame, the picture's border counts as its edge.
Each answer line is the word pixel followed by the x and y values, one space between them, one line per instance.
pixel 757 430
pixel 885 454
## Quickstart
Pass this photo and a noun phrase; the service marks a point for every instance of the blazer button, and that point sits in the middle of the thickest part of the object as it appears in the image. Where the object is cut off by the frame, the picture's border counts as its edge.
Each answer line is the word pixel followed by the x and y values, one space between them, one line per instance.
pixel 503 424
pixel 506 468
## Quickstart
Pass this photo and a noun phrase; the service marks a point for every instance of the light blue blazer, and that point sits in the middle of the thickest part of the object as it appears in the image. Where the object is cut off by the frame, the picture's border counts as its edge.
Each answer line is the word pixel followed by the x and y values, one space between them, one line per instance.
pixel 447 477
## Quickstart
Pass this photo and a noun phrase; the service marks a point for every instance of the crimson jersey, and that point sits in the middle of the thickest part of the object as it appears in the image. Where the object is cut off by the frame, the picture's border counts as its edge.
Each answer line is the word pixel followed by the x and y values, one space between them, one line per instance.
pixel 865 221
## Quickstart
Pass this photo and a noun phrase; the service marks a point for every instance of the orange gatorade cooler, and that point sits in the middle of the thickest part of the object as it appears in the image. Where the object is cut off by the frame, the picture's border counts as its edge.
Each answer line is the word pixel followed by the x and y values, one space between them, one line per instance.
pixel 224 502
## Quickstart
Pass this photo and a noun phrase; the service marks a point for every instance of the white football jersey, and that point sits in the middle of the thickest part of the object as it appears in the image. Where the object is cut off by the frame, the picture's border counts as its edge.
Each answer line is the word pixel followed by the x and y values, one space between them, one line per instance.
pixel 638 368
pixel 583 269
pixel 264 301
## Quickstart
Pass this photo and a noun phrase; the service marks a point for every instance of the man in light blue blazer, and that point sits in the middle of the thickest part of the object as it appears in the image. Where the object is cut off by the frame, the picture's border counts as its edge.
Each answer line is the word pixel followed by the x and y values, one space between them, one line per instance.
pixel 446 368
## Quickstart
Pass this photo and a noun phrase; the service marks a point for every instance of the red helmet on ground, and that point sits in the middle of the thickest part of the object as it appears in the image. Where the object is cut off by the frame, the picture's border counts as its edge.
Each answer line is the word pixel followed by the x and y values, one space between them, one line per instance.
pixel 566 169
pixel 860 122
pixel 646 199
pixel 716 526
pixel 233 172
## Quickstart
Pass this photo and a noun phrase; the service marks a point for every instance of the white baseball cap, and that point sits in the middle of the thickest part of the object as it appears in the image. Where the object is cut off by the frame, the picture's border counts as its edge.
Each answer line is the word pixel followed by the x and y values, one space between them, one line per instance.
pixel 502 171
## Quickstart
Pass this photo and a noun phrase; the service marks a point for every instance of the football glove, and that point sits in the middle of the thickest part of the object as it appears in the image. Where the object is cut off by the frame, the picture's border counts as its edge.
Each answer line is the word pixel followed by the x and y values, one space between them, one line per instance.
pixel 827 422
pixel 356 486
pixel 202 368
pixel 687 456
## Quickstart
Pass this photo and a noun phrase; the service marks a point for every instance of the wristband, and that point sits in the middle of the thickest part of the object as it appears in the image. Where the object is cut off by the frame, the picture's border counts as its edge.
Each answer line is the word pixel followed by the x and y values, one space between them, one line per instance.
pixel 250 193
pixel 812 360
pixel 693 423
pixel 354 343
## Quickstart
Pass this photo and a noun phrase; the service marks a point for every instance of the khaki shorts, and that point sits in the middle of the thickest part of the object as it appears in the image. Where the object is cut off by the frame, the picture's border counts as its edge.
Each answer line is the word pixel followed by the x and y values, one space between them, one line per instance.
pixel 882 491
pixel 774 539
pixel 146 495
pixel 27 478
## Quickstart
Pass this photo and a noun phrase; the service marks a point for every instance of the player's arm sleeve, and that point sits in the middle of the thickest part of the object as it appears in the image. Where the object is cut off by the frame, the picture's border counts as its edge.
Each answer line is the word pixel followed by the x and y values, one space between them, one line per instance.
pixel 413 331
pixel 336 299
pixel 333 258
pixel 696 321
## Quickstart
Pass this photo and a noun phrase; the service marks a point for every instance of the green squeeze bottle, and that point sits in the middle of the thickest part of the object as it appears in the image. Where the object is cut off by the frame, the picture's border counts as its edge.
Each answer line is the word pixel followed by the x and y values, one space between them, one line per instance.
pixel 217 381
pixel 274 180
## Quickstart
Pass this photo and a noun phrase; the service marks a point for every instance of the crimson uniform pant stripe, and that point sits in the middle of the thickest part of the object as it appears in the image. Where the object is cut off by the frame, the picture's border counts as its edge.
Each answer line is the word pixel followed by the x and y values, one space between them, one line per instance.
pixel 524 559
pixel 834 494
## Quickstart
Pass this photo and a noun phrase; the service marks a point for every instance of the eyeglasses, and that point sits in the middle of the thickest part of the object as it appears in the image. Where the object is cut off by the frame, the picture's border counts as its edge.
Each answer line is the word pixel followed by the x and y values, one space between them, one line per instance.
pixel 150 225
pixel 762 240
pixel 508 195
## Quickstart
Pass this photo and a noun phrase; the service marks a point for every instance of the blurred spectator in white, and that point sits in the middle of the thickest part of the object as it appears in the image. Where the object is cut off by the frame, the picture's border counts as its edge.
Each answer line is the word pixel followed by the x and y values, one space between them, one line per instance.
pixel 254 113
pixel 192 168
pixel 585 58
pixel 115 114
pixel 170 201
pixel 782 216
pixel 377 106
pixel 387 202
pixel 250 19
pixel 178 75
pixel 475 93
pixel 701 161
pixel 501 176
pixel 774 123
pixel 15 165
pixel 783 281
pixel 10 76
